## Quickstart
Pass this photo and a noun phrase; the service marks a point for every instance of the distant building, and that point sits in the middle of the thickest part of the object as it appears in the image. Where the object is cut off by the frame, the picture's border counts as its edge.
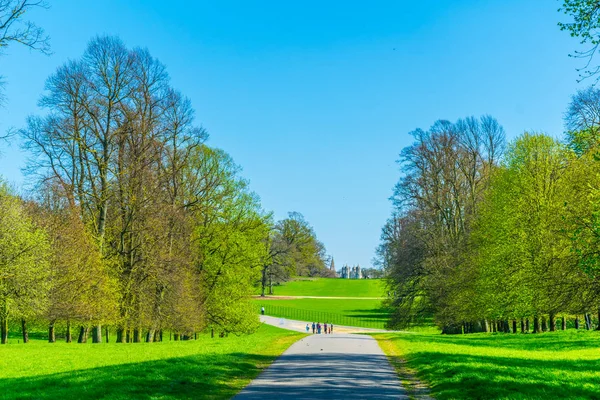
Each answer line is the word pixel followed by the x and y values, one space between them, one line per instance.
pixel 351 272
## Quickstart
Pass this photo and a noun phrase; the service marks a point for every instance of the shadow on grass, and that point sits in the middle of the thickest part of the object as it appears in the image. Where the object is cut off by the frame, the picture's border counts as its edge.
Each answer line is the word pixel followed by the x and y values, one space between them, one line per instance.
pixel 550 341
pixel 198 376
pixel 460 376
pixel 382 314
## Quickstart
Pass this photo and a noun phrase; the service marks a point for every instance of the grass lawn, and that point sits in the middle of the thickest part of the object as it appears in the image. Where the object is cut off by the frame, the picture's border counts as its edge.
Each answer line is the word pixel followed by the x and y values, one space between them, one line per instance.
pixel 552 365
pixel 364 313
pixel 332 287
pixel 205 368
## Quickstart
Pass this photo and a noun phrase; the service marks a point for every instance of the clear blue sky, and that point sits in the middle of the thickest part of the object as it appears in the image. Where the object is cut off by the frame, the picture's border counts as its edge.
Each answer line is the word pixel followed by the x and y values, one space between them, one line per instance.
pixel 315 99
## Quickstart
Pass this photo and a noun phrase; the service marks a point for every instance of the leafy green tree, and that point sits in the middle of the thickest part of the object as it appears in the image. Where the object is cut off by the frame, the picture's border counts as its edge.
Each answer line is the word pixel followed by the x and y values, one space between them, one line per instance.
pixel 584 25
pixel 24 271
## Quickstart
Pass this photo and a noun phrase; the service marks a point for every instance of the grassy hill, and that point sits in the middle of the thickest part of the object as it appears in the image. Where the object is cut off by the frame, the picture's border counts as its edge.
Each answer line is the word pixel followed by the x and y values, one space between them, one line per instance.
pixel 364 308
pixel 332 287
pixel 352 312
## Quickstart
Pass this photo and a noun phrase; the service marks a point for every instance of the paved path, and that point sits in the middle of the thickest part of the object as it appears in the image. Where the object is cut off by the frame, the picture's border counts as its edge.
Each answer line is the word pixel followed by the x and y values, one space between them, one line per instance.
pixel 337 366
pixel 300 326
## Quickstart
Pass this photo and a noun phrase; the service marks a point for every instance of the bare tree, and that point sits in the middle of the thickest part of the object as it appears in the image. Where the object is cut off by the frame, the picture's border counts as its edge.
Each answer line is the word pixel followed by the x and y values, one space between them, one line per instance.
pixel 15 29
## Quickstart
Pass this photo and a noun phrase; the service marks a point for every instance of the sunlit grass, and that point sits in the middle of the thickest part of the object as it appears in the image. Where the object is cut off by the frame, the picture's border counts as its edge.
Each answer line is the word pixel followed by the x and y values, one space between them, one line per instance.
pixel 353 312
pixel 332 287
pixel 204 368
pixel 497 366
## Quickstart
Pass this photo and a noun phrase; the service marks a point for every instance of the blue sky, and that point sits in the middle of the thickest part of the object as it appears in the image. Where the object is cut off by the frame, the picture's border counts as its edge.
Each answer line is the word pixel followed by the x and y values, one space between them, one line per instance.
pixel 315 99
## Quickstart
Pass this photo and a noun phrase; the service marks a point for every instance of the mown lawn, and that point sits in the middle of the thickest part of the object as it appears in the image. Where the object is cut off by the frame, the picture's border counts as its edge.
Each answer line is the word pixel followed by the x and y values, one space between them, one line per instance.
pixel 353 312
pixel 332 287
pixel 500 366
pixel 204 368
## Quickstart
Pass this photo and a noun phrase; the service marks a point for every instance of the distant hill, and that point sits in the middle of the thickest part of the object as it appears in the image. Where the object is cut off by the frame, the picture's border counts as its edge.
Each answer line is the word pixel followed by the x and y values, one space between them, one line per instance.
pixel 332 287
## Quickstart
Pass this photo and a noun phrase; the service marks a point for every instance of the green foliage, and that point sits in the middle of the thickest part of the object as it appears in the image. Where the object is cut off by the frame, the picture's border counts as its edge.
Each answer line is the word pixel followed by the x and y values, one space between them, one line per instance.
pixel 519 241
pixel 228 243
pixel 205 368
pixel 584 25
pixel 24 253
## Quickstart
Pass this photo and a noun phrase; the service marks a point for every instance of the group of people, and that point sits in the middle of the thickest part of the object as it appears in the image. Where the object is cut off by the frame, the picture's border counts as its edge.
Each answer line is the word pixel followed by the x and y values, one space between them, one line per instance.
pixel 316 328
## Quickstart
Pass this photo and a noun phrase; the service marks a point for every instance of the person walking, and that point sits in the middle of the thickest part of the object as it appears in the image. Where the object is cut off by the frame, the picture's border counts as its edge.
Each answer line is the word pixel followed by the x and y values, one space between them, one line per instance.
pixel 262 310
pixel 330 328
pixel 318 328
pixel 314 327
pixel 307 328
pixel 326 328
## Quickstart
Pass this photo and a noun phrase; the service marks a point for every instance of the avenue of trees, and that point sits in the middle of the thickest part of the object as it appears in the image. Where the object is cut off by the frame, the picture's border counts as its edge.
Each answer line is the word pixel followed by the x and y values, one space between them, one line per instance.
pixel 133 221
pixel 493 237
pixel 487 236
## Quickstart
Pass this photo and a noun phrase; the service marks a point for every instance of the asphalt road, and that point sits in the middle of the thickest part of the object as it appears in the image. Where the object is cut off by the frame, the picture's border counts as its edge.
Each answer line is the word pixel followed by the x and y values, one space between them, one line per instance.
pixel 337 366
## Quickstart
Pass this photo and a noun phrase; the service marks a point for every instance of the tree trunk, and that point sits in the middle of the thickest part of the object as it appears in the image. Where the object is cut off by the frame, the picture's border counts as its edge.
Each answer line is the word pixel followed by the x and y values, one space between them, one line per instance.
pixel 598 327
pixel 176 336
pixel 3 329
pixel 514 326
pixel 527 324
pixel 4 323
pixel 68 337
pixel 212 333
pixel 564 323
pixel 544 324
pixel 107 334
pixel 24 330
pixel 128 336
pixel 536 325
pixel 97 334
pixel 137 335
pixel 552 321
pixel 522 325
pixel 83 334
pixel 263 281
pixel 158 335
pixel 577 322
pixel 150 336
pixel 588 321
pixel 51 334
pixel 487 326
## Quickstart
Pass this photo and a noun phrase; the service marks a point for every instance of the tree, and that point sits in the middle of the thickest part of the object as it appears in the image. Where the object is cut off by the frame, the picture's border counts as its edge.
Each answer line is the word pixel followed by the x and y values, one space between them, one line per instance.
pixel 293 250
pixel 81 288
pixel 166 213
pixel 23 264
pixel 584 25
pixel 446 172
pixel 14 29
pixel 582 120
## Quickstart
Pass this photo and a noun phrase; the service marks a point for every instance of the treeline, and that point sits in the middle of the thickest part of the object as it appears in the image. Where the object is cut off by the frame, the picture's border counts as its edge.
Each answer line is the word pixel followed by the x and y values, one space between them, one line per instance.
pixel 134 222
pixel 493 237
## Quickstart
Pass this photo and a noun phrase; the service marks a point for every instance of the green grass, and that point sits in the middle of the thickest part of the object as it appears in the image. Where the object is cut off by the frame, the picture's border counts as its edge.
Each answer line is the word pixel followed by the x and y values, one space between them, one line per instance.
pixel 332 287
pixel 205 368
pixel 364 313
pixel 500 366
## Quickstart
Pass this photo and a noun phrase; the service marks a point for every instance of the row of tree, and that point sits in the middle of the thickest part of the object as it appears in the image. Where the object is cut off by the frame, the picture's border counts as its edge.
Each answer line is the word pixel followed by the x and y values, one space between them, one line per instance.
pixel 486 237
pixel 133 220
pixel 490 237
